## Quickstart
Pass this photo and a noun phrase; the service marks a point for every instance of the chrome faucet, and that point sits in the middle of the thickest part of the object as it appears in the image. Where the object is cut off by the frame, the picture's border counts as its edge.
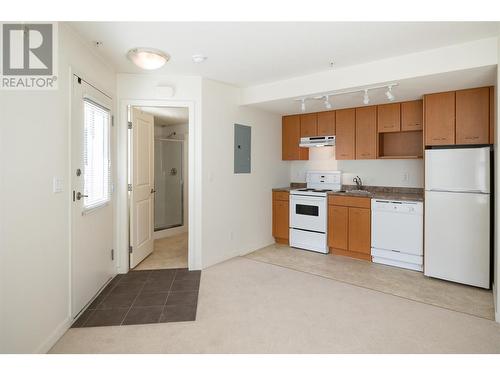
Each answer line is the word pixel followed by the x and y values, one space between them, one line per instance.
pixel 359 183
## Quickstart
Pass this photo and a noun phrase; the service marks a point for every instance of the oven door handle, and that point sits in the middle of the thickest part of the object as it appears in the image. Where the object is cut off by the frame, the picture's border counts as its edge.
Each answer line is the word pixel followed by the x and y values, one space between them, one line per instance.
pixel 306 198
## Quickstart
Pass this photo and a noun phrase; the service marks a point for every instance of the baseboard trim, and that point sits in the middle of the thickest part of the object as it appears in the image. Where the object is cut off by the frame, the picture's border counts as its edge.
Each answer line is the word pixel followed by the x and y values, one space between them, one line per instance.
pixel 495 303
pixel 351 254
pixel 54 337
pixel 164 233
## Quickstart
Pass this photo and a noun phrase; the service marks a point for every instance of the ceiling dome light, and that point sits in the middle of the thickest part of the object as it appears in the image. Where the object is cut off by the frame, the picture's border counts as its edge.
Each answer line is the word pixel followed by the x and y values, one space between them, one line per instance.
pixel 303 105
pixel 328 105
pixel 148 58
pixel 366 98
pixel 389 94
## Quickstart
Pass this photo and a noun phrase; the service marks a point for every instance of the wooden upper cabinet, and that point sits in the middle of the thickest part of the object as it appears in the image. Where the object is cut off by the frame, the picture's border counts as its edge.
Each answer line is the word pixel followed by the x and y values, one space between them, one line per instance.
pixel 366 132
pixel 326 123
pixel 360 230
pixel 309 125
pixel 290 149
pixel 345 125
pixel 472 116
pixel 338 221
pixel 412 115
pixel 389 118
pixel 439 119
pixel 492 115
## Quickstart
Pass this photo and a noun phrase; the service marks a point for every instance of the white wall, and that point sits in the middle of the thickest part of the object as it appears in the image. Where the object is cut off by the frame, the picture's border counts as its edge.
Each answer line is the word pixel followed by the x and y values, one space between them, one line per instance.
pixel 34 237
pixel 237 208
pixel 372 172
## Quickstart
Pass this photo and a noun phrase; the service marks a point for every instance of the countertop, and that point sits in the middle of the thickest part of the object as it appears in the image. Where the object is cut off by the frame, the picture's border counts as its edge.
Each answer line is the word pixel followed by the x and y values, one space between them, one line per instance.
pixel 419 197
pixel 377 192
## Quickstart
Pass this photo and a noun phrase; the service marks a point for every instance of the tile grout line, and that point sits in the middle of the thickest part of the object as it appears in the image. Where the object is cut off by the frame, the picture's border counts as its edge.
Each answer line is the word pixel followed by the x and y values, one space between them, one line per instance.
pixel 367 288
pixel 103 298
pixel 168 295
pixel 137 295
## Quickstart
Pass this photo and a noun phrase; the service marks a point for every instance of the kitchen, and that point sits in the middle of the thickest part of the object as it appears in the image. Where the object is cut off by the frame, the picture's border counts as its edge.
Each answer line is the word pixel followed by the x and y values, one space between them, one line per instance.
pixel 440 231
pixel 374 142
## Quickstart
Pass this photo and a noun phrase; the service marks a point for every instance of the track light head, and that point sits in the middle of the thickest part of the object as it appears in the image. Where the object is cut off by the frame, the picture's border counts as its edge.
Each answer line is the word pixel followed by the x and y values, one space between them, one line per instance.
pixel 303 105
pixel 366 98
pixel 389 94
pixel 328 105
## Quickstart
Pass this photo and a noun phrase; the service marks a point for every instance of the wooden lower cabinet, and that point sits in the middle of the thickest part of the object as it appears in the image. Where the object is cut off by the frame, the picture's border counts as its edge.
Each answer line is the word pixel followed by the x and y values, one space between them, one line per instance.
pixel 360 230
pixel 338 227
pixel 349 227
pixel 281 208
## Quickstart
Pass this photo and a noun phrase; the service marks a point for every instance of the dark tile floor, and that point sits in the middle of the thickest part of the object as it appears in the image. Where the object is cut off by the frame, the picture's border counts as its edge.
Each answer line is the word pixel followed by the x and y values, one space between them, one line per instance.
pixel 142 297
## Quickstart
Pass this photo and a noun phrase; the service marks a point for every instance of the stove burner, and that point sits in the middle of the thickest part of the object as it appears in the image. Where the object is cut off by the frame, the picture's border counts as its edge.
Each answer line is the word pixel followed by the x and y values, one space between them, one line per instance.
pixel 316 190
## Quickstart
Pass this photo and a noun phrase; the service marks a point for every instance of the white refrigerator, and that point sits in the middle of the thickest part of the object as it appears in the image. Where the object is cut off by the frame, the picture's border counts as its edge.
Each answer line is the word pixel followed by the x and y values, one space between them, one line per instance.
pixel 457 215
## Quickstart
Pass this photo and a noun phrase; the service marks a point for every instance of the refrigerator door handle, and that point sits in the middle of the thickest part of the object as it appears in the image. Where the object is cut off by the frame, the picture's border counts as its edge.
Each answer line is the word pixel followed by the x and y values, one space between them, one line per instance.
pixel 459 191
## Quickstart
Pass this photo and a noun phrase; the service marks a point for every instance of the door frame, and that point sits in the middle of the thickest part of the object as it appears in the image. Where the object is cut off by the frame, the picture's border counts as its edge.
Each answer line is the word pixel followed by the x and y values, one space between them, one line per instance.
pixel 194 182
pixel 72 71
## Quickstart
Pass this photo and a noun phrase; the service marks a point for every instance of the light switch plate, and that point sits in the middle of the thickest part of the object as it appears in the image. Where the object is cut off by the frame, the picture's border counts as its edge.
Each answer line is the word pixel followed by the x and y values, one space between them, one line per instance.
pixel 57 185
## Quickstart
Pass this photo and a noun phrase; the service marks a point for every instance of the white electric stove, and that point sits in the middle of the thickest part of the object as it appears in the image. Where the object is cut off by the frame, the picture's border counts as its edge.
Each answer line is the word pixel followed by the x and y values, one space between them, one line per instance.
pixel 309 210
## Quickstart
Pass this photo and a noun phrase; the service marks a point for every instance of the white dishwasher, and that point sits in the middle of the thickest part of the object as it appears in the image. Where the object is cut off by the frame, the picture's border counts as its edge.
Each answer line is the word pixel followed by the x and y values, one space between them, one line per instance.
pixel 397 233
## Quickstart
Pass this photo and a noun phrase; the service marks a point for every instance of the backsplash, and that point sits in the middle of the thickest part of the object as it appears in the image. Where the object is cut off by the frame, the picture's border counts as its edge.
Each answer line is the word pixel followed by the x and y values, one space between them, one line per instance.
pixel 401 173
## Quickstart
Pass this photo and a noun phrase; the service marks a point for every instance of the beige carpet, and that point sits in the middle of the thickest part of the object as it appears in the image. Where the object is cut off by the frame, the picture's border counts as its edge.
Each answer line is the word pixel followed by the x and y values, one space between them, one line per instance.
pixel 247 306
pixel 392 280
pixel 169 252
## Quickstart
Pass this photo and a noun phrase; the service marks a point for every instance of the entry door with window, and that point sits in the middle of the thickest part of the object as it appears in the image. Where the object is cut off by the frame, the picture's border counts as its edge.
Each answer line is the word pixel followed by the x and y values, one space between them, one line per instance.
pixel 92 203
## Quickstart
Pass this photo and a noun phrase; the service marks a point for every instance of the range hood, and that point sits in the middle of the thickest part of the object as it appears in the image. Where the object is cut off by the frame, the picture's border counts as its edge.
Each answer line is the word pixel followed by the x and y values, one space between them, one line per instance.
pixel 327 140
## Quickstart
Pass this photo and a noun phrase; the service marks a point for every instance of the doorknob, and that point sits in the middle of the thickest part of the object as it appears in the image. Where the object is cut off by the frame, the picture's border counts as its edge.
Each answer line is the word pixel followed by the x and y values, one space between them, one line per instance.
pixel 80 196
pixel 153 191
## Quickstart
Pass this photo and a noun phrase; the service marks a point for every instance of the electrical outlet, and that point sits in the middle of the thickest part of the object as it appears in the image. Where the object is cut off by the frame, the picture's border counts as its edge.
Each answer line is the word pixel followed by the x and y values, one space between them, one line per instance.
pixel 406 177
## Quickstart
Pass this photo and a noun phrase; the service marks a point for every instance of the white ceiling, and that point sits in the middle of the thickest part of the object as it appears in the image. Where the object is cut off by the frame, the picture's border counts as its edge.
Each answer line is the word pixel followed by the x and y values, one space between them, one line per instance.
pixel 168 115
pixel 408 89
pixel 246 54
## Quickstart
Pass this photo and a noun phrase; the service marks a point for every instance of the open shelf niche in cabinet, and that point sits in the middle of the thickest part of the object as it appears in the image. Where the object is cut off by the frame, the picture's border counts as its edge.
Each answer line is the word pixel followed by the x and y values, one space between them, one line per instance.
pixel 401 145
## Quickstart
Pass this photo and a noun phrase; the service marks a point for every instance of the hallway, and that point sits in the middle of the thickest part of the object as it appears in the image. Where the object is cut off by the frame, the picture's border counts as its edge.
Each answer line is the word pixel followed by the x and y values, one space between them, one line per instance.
pixel 169 252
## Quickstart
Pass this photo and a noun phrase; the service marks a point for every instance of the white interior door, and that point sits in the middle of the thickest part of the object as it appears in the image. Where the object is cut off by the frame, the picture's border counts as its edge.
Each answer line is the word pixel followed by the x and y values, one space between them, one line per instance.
pixel 92 203
pixel 142 194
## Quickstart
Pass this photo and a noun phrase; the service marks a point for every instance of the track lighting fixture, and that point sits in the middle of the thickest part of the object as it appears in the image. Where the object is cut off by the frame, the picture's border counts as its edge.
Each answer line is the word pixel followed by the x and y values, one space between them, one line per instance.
pixel 389 94
pixel 328 105
pixel 303 105
pixel 366 98
pixel 325 98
